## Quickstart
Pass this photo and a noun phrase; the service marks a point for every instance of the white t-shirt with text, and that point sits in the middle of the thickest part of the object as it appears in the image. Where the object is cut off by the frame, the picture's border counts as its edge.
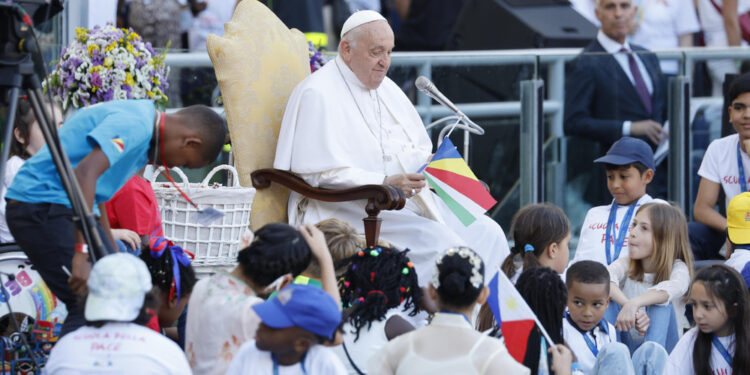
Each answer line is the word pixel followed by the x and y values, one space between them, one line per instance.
pixel 681 359
pixel 720 165
pixel 594 231
pixel 319 360
pixel 116 348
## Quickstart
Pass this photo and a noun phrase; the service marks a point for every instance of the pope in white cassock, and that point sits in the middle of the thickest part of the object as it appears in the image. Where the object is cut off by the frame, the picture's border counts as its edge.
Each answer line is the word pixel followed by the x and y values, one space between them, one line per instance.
pixel 348 124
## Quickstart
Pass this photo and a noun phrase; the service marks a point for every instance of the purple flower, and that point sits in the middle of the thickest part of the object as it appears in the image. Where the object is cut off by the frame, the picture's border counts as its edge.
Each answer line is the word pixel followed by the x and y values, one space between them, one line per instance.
pixel 97 58
pixel 139 62
pixel 149 49
pixel 74 61
pixel 106 96
pixel 96 80
pixel 127 89
pixel 69 80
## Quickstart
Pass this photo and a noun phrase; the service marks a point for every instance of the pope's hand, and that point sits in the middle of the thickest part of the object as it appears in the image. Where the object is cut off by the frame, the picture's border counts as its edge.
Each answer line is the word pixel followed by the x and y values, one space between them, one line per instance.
pixel 410 183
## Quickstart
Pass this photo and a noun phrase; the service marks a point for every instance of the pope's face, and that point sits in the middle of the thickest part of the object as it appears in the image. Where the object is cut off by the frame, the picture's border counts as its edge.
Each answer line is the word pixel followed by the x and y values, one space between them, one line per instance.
pixel 369 56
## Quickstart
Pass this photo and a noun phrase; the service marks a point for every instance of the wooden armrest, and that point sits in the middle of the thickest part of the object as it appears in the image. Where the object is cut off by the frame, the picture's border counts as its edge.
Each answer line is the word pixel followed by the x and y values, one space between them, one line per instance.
pixel 385 197
pixel 379 197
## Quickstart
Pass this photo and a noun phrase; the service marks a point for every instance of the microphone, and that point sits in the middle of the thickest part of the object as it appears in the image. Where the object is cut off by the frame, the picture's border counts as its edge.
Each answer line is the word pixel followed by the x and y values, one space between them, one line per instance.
pixel 426 86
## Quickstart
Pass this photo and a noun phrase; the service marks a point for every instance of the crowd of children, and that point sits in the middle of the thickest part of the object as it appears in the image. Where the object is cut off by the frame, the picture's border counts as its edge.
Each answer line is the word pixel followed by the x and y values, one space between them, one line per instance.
pixel 315 300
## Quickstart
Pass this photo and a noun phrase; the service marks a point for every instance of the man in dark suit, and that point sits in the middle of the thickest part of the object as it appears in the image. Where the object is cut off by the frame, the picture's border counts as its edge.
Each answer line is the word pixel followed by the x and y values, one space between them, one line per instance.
pixel 616 89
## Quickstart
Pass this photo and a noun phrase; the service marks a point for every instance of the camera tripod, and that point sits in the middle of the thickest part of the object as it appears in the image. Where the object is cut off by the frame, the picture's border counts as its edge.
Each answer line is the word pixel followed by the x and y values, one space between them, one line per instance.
pixel 17 73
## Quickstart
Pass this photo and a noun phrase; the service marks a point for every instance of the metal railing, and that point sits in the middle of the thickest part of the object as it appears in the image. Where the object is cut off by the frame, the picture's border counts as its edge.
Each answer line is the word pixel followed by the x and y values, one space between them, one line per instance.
pixel 551 61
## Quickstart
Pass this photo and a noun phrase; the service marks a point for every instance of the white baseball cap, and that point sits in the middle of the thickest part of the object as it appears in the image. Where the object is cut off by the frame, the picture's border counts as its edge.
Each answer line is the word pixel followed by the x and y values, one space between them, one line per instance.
pixel 117 288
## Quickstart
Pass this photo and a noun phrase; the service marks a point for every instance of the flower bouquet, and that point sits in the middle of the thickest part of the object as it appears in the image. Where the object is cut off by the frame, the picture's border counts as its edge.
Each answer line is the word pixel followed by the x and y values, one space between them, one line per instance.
pixel 317 60
pixel 107 63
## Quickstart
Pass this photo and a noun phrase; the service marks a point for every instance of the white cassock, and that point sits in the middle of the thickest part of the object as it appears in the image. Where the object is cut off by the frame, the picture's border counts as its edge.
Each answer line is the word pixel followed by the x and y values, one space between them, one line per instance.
pixel 338 134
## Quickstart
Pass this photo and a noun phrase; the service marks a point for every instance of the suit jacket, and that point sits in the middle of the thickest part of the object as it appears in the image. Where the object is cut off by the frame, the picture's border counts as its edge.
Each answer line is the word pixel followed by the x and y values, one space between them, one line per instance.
pixel 599 96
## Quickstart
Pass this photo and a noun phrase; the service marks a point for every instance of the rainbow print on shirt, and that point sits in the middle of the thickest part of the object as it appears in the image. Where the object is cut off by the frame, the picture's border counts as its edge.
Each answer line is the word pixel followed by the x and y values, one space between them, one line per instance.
pixel 119 144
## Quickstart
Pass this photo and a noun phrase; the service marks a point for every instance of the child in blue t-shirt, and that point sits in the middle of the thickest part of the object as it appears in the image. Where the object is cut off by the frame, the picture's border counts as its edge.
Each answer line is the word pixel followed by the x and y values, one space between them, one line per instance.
pixel 107 144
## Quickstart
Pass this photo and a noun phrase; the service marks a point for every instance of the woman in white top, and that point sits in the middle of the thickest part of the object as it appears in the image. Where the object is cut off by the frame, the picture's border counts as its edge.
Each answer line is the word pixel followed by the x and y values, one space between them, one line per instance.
pixel 664 24
pixel 377 285
pixel 655 273
pixel 720 22
pixel 450 345
pixel 27 140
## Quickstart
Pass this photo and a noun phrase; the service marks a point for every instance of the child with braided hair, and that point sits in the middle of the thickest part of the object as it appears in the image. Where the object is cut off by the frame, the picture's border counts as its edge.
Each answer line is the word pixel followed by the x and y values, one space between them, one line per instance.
pixel 173 277
pixel 377 282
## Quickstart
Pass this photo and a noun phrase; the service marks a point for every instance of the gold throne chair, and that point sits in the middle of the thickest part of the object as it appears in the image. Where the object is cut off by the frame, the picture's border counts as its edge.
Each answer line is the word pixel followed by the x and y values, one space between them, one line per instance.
pixel 258 62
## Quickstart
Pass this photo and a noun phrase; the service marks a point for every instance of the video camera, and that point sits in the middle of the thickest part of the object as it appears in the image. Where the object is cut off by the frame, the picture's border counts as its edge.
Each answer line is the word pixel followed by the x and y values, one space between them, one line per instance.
pixel 17 17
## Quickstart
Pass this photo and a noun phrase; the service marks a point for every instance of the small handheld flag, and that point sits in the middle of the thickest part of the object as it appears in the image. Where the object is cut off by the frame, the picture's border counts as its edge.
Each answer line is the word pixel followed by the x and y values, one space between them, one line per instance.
pixel 455 183
pixel 513 316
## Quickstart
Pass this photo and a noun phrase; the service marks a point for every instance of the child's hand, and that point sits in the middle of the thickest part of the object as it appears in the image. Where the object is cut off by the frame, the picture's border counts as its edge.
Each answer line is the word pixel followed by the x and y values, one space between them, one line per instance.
pixel 131 238
pixel 642 322
pixel 626 317
pixel 316 241
pixel 246 238
pixel 562 358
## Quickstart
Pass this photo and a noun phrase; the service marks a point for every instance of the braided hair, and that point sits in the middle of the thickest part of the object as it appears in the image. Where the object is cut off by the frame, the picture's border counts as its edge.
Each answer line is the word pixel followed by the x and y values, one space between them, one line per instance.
pixel 377 280
pixel 538 225
pixel 458 277
pixel 161 268
pixel 277 249
pixel 545 293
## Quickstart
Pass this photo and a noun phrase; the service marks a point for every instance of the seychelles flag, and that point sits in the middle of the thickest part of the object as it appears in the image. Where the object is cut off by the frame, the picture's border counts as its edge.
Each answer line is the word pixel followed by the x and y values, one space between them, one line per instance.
pixel 455 183
pixel 513 315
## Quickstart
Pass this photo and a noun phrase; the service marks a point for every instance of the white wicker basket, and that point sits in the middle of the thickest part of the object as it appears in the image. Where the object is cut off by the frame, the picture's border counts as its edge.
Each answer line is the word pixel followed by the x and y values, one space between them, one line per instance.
pixel 215 246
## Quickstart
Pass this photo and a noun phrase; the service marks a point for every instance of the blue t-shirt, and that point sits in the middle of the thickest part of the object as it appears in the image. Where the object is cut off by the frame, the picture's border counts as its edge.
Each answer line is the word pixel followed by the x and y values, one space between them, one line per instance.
pixel 122 129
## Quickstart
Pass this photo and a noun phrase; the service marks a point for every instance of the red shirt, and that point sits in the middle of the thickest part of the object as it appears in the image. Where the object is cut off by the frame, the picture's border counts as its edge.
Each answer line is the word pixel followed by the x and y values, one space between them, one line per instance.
pixel 134 207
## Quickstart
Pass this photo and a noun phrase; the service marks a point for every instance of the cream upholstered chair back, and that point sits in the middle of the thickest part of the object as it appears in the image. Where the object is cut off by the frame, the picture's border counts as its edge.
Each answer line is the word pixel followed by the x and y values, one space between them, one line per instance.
pixel 258 62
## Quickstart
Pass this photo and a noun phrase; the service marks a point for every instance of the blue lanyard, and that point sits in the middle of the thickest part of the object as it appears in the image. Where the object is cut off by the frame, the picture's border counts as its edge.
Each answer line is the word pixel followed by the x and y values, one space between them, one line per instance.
pixel 591 344
pixel 741 169
pixel 276 364
pixel 457 313
pixel 721 349
pixel 620 239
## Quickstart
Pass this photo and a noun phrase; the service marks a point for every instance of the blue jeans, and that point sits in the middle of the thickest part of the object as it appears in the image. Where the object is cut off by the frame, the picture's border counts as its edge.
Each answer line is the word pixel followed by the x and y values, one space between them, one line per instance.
pixel 704 241
pixel 614 358
pixel 662 330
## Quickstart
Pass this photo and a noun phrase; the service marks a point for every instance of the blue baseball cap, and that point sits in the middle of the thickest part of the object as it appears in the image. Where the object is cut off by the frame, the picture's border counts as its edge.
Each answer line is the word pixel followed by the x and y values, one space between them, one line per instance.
pixel 303 306
pixel 629 150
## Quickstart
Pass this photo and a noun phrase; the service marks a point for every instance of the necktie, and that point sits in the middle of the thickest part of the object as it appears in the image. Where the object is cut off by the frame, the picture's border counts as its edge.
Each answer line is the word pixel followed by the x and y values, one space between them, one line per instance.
pixel 640 84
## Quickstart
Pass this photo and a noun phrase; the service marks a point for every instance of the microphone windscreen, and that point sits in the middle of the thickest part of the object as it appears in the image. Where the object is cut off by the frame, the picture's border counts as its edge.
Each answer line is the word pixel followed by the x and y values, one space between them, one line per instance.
pixel 423 83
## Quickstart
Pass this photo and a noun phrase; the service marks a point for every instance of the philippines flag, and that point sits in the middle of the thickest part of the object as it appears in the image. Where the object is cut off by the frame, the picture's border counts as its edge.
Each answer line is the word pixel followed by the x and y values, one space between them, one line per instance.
pixel 513 315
